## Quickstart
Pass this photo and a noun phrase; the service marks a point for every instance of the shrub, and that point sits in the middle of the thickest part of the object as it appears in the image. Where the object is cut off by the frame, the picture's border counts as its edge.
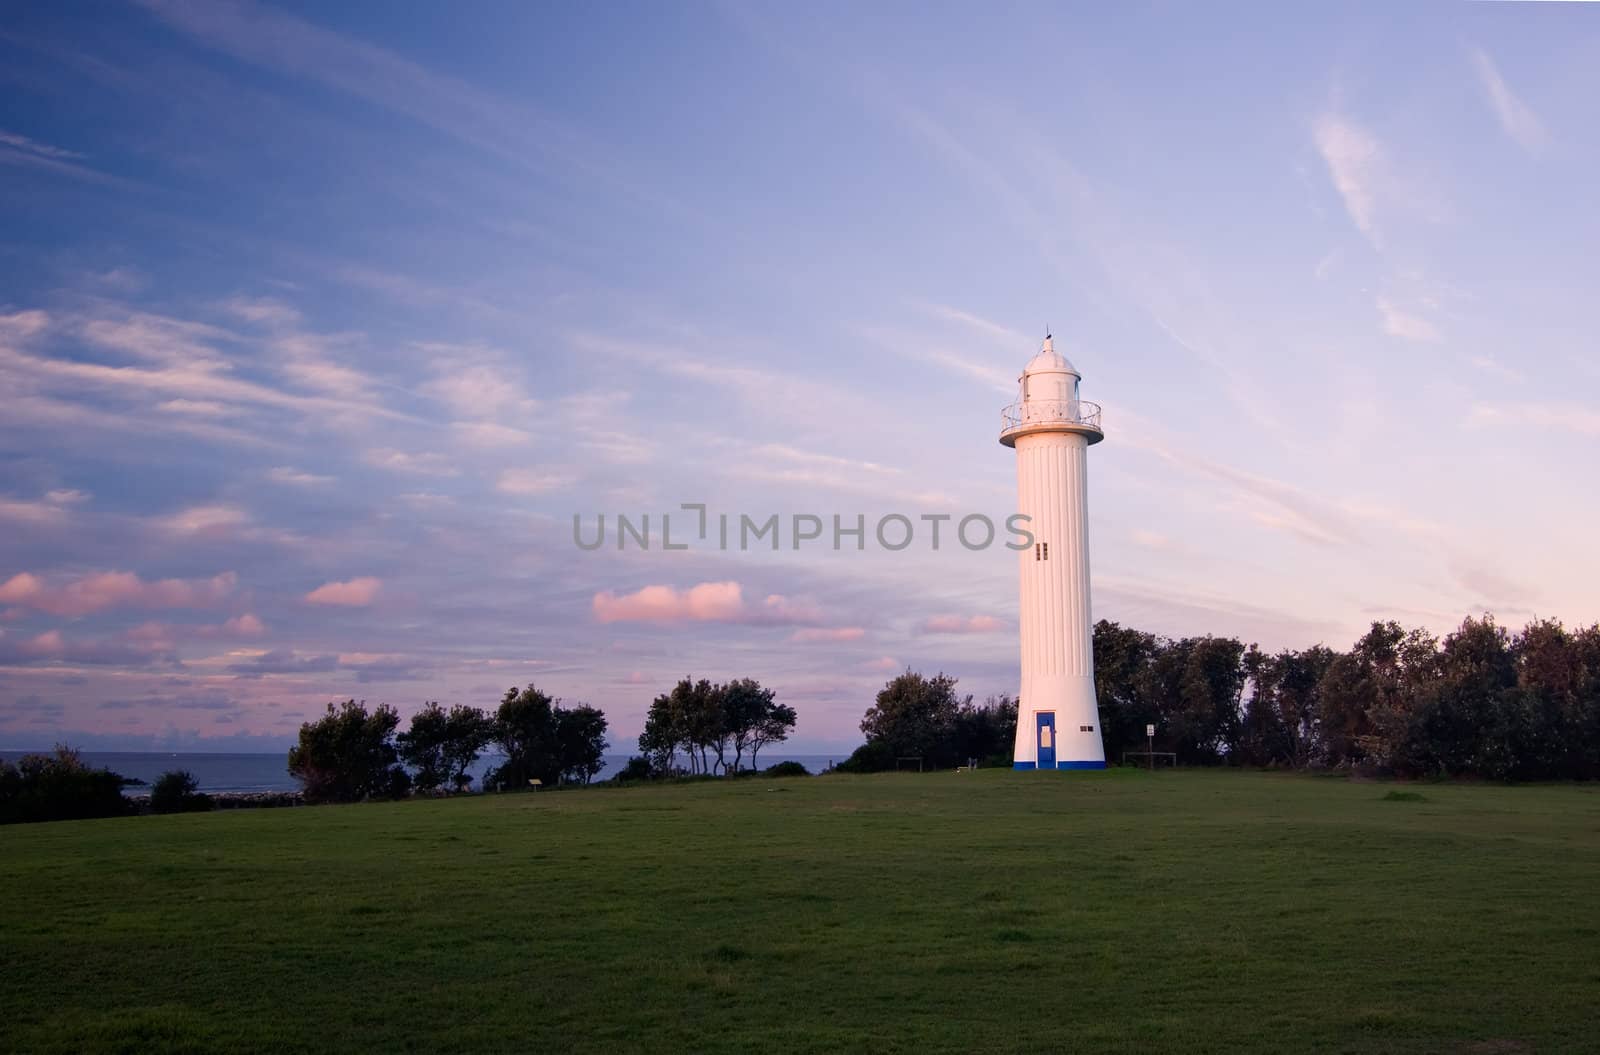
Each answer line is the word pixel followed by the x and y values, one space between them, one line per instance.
pixel 176 791
pixel 787 769
pixel 874 756
pixel 58 787
pixel 638 768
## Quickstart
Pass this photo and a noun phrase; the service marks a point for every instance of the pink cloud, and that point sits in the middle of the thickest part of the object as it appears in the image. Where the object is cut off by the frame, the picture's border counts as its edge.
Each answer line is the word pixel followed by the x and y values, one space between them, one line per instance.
pixel 884 663
pixel 51 509
pixel 141 647
pixel 955 624
pixel 163 635
pixel 708 602
pixel 356 593
pixel 780 609
pixel 813 634
pixel 206 521
pixel 245 625
pixel 48 644
pixel 113 589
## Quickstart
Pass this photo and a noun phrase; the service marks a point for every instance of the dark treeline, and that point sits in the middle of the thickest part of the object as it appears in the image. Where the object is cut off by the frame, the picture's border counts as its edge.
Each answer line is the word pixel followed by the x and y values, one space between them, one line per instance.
pixel 352 753
pixel 1482 702
pixel 59 786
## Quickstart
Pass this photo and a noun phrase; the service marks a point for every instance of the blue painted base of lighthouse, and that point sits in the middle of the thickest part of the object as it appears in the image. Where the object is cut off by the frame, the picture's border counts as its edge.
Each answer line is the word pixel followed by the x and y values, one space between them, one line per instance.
pixel 1061 765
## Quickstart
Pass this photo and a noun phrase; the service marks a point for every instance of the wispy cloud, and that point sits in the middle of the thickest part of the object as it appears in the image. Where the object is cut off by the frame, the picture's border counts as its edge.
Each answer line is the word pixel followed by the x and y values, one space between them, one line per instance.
pixel 51 509
pixel 353 593
pixel 1569 417
pixel 1490 365
pixel 956 624
pixel 827 634
pixel 490 435
pixel 531 481
pixel 1518 121
pixel 1151 539
pixel 1269 502
pixel 15 142
pixel 113 589
pixel 419 463
pixel 1354 159
pixel 283 474
pixel 22 151
pixel 1398 323
pixel 513 131
pixel 935 352
pixel 205 520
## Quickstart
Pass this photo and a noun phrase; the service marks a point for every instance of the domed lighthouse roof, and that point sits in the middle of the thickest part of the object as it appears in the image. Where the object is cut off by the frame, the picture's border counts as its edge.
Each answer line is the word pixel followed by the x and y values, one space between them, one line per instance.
pixel 1047 400
pixel 1050 361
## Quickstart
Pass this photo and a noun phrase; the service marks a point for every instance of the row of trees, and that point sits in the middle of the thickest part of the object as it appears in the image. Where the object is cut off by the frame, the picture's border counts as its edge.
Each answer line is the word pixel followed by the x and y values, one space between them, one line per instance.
pixel 351 753
pixel 1481 702
pixel 710 726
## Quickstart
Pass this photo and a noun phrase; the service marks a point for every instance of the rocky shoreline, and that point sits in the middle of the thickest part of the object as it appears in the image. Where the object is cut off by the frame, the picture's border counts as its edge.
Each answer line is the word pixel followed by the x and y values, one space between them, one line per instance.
pixel 233 800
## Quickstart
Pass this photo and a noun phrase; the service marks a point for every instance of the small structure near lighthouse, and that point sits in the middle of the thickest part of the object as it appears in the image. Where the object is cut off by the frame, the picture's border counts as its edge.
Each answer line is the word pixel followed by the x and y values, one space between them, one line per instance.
pixel 1058 721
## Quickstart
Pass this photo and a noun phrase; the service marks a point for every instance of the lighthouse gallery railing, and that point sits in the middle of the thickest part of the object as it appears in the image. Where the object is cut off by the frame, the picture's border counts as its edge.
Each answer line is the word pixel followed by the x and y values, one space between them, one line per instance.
pixel 1046 411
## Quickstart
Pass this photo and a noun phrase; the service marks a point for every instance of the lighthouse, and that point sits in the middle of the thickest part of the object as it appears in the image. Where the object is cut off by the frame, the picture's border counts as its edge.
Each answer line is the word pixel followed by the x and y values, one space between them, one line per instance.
pixel 1058 721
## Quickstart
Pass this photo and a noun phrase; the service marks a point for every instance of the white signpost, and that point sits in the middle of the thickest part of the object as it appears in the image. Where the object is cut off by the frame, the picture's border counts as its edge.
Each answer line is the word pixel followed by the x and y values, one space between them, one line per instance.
pixel 1150 745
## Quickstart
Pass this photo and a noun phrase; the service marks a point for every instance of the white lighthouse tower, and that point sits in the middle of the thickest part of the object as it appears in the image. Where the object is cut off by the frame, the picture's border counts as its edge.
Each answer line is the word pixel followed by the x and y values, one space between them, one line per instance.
pixel 1058 722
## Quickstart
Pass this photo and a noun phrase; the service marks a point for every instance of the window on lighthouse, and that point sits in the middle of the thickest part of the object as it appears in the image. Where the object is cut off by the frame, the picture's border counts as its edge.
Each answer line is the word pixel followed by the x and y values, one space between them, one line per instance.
pixel 1041 551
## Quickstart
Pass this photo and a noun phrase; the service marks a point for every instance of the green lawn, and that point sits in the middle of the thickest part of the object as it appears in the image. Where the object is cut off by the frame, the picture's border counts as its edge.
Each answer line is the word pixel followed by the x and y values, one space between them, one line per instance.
pixel 1123 911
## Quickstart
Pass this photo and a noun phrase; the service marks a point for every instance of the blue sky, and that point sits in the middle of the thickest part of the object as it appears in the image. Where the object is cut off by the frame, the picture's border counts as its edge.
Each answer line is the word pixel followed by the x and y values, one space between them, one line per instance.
pixel 318 325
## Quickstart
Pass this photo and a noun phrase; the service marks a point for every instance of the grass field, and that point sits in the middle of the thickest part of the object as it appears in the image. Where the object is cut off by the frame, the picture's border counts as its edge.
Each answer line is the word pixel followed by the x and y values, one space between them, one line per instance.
pixel 1124 911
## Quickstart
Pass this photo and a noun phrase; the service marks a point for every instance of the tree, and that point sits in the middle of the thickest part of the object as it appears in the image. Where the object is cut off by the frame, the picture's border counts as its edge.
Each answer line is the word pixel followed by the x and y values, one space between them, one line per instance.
pixel 59 786
pixel 915 716
pixel 700 710
pixel 1468 721
pixel 660 740
pixel 745 706
pixel 1281 721
pixel 177 791
pixel 701 719
pixel 1367 698
pixel 349 755
pixel 545 741
pixel 441 745
pixel 581 742
pixel 1198 684
pixel 986 731
pixel 1121 656
pixel 687 719
pixel 773 727
pixel 524 728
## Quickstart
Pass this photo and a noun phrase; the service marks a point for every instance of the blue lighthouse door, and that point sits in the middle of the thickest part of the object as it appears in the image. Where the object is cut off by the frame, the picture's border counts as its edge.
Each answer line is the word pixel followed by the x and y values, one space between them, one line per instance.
pixel 1047 739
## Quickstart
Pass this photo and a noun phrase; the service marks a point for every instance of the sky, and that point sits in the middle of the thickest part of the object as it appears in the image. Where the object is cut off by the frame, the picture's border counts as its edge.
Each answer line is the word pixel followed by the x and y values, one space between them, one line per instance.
pixel 320 324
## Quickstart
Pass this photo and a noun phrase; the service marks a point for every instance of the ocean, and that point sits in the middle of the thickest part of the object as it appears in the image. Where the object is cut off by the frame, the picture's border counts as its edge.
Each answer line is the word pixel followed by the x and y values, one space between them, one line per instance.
pixel 259 772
